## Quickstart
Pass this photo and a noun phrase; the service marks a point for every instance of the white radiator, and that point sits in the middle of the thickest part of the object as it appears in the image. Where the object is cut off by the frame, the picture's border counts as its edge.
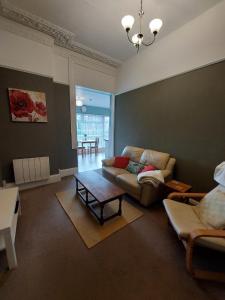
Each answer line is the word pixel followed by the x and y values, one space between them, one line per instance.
pixel 31 169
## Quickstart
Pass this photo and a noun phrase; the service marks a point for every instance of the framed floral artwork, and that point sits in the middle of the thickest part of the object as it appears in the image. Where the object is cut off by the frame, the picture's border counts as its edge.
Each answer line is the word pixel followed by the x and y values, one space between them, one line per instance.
pixel 27 106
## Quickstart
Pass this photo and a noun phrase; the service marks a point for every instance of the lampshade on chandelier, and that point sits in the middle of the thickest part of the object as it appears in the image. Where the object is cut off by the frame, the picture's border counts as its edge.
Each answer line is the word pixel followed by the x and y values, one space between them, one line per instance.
pixel 138 39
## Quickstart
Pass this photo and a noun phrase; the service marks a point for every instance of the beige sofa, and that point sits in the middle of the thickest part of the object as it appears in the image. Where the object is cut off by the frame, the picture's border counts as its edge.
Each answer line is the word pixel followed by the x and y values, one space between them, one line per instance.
pixel 146 193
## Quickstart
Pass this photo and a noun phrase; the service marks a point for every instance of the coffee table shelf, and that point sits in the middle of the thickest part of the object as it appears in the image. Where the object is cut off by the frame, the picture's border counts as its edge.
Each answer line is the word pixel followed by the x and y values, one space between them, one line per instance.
pixel 95 192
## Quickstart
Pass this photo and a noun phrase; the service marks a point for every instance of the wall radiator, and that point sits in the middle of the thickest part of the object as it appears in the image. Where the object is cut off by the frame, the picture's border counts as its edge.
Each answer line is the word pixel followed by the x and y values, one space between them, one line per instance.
pixel 31 169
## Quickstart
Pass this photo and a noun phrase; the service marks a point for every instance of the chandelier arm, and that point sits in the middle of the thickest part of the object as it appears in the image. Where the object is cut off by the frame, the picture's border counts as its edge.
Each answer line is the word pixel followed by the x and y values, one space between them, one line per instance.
pixel 150 43
pixel 129 39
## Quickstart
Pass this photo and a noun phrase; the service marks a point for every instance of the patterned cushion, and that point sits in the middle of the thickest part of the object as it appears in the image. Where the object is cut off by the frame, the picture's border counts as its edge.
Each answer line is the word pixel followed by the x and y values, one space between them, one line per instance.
pixel 212 208
pixel 134 167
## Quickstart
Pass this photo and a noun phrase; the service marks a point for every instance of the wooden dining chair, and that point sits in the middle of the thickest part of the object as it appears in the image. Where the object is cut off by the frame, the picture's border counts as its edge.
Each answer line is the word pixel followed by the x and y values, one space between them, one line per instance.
pixel 95 147
pixel 80 148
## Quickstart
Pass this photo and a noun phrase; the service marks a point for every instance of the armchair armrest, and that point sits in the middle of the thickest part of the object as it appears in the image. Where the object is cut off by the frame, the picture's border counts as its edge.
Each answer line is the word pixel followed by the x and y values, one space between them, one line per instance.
pixel 183 196
pixel 108 162
pixel 197 273
pixel 217 233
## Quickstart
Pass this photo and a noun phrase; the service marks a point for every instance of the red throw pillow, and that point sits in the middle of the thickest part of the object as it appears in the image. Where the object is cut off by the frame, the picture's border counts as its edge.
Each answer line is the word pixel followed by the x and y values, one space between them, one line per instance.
pixel 121 162
pixel 148 168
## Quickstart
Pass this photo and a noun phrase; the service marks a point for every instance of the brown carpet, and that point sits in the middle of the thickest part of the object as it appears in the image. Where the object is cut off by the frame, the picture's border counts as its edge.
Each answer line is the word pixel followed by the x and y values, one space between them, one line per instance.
pixel 86 224
pixel 143 261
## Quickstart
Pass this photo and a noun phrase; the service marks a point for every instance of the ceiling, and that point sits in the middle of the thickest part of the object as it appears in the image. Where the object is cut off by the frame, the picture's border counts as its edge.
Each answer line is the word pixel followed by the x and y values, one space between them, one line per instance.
pixel 97 23
pixel 92 97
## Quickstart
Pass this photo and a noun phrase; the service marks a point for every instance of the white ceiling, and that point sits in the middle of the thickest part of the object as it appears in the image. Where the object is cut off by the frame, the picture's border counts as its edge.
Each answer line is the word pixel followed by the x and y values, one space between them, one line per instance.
pixel 92 97
pixel 97 23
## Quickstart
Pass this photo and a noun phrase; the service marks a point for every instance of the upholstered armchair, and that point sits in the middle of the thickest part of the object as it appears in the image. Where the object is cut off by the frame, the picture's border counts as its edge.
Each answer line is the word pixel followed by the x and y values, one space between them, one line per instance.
pixel 199 219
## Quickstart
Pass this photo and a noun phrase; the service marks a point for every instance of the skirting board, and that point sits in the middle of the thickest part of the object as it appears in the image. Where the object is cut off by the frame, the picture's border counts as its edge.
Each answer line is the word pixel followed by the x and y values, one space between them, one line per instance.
pixel 52 179
pixel 67 172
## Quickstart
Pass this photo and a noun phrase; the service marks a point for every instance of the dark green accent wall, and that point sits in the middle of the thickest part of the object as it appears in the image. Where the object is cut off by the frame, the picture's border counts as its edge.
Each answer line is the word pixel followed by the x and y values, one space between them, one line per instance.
pixel 94 110
pixel 21 140
pixel 184 116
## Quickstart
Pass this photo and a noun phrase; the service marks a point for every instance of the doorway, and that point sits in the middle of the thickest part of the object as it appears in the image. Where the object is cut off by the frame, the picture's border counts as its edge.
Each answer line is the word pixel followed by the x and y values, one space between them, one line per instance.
pixel 94 126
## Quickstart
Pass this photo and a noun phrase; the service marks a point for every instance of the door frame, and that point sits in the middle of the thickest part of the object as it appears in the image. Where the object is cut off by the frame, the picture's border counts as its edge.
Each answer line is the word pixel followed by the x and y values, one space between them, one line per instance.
pixel 111 123
pixel 73 82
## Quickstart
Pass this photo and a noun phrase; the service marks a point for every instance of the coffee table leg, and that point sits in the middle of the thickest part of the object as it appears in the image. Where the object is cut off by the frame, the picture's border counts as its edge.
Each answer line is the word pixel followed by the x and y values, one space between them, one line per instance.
pixel 120 206
pixel 101 214
pixel 86 194
pixel 76 186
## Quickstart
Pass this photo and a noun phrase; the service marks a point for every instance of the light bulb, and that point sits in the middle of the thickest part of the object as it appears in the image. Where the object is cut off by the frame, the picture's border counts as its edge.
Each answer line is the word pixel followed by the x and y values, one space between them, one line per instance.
pixel 127 22
pixel 155 25
pixel 79 103
pixel 136 39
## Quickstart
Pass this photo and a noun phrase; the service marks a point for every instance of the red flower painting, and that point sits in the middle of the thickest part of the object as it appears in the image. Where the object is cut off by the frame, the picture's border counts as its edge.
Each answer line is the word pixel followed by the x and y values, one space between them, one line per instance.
pixel 41 109
pixel 27 106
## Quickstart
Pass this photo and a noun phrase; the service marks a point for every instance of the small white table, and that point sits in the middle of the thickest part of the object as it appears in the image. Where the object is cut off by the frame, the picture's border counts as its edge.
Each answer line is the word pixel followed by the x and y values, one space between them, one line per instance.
pixel 9 211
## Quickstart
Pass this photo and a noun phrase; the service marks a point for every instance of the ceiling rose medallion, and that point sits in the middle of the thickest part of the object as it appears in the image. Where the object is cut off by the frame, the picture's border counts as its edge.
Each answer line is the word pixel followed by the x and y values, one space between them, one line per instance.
pixel 138 39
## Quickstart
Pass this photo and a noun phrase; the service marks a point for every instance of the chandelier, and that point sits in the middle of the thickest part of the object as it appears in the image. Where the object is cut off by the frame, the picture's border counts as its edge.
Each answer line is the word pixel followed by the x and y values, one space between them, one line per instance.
pixel 138 39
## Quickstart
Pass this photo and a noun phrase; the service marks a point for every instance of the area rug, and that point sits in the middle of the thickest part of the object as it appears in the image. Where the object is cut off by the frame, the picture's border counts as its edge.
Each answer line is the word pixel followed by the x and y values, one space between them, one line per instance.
pixel 86 224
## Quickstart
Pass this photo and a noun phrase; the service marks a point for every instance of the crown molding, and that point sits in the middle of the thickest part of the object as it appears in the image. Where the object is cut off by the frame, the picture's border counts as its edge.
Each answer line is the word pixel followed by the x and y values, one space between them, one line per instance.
pixel 26 32
pixel 61 36
pixel 85 61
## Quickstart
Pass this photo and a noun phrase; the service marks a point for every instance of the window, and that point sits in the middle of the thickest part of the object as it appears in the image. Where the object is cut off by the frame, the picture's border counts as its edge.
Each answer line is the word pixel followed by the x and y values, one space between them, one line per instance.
pixel 91 126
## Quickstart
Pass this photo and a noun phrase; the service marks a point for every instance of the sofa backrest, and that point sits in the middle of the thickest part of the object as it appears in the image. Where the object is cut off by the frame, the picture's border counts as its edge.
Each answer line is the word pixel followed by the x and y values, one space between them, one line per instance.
pixel 134 153
pixel 155 158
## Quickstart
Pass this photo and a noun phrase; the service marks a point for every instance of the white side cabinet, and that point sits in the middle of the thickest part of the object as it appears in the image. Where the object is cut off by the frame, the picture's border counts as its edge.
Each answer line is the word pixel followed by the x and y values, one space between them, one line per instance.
pixel 9 211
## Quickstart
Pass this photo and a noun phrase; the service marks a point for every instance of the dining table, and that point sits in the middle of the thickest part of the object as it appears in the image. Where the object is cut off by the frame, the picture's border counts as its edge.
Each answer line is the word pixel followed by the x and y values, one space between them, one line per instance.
pixel 87 142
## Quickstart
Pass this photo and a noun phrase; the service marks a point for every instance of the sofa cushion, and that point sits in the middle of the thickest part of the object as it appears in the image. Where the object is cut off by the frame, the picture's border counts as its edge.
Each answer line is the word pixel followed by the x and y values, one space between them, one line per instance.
pixel 148 168
pixel 129 183
pixel 134 153
pixel 212 208
pixel 115 171
pixel 134 167
pixel 121 162
pixel 155 158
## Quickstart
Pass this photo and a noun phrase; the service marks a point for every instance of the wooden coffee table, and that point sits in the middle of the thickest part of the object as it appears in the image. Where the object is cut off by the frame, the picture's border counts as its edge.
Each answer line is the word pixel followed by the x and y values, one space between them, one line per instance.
pixel 95 191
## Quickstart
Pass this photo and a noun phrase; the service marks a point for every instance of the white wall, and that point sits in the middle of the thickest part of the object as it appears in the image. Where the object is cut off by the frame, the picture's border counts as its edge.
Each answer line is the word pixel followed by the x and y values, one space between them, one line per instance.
pixel 24 54
pixel 28 50
pixel 60 68
pixel 95 79
pixel 198 43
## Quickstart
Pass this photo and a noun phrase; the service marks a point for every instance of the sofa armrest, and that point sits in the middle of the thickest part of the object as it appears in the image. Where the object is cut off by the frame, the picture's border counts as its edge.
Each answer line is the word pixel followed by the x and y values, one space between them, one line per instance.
pixel 167 174
pixel 151 193
pixel 168 171
pixel 171 163
pixel 108 162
